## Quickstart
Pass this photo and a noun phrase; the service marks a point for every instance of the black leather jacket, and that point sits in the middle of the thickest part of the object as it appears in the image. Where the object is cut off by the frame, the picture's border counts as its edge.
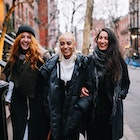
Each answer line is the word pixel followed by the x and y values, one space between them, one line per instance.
pixel 64 101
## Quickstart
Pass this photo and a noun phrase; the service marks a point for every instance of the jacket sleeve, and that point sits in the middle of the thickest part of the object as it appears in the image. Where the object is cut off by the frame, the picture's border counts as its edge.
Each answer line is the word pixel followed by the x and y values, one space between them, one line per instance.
pixel 125 81
pixel 85 102
pixel 44 93
pixel 6 71
pixel 9 92
pixel 44 71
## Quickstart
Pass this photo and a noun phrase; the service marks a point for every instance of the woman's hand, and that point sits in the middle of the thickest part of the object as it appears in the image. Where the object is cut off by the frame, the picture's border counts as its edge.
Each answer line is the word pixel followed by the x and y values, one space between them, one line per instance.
pixel 84 92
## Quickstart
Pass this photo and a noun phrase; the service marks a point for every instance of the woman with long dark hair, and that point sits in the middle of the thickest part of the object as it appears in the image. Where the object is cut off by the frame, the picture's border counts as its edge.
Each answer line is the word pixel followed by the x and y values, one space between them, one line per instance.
pixel 109 83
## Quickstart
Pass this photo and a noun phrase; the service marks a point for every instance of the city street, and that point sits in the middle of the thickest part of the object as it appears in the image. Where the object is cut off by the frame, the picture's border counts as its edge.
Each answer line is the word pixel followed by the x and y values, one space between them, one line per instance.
pixel 132 102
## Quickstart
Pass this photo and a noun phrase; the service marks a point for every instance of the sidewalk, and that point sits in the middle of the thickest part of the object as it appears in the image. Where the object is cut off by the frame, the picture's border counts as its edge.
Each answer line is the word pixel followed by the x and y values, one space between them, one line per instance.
pixel 128 133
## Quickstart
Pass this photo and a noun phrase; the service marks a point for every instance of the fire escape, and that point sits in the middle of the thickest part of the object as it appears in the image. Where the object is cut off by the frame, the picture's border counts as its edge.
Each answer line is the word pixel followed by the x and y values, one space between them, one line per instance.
pixel 8 42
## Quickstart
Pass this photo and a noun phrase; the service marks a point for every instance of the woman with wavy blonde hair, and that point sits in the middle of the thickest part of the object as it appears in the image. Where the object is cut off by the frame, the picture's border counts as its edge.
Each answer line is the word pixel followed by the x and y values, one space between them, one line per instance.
pixel 23 97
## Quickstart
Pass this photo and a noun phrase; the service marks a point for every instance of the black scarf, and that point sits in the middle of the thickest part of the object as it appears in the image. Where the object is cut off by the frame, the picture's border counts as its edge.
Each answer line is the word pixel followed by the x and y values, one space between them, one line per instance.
pixel 24 77
pixel 100 61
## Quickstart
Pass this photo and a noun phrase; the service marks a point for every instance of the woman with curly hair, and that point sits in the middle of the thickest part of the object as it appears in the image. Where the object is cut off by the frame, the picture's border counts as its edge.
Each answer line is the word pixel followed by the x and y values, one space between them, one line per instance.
pixel 23 97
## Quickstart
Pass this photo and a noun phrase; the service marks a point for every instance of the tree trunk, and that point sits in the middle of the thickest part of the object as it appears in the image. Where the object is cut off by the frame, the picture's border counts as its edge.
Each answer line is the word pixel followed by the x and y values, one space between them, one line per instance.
pixel 87 27
pixel 6 19
pixel 4 29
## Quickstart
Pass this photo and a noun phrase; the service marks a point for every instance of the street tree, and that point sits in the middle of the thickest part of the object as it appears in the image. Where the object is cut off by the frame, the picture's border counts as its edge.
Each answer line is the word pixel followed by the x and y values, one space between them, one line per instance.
pixel 87 27
pixel 75 8
pixel 71 11
pixel 114 16
pixel 6 20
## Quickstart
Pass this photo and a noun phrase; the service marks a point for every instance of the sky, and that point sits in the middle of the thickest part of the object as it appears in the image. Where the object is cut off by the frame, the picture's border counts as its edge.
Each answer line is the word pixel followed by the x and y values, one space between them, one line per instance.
pixel 102 9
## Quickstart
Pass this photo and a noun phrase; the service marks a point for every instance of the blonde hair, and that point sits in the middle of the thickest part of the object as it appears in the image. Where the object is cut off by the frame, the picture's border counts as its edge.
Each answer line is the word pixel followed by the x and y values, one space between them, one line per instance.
pixel 67 35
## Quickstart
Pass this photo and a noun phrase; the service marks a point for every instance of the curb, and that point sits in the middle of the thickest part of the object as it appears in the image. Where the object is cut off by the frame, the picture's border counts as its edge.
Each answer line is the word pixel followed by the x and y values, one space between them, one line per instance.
pixel 129 133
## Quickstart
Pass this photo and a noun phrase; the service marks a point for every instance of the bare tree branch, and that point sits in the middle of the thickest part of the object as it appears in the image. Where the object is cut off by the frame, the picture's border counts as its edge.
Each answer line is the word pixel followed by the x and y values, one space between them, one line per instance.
pixel 6 19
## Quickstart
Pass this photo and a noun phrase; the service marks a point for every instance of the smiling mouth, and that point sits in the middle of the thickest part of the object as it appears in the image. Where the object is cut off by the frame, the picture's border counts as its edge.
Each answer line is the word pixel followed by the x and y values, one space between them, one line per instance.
pixel 102 45
pixel 25 44
pixel 66 51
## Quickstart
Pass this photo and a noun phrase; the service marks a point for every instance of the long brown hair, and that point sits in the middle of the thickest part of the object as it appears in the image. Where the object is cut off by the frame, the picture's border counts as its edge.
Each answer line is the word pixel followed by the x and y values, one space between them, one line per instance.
pixel 33 55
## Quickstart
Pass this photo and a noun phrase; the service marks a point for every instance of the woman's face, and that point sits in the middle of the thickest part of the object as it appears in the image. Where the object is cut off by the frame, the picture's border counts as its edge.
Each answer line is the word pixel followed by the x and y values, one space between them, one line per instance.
pixel 25 40
pixel 102 41
pixel 67 46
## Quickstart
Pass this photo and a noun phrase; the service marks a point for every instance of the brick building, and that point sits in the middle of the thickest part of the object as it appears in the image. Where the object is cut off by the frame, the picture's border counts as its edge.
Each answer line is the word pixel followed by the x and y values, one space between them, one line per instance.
pixel 134 26
pixel 53 25
pixel 123 32
pixel 43 22
pixel 97 25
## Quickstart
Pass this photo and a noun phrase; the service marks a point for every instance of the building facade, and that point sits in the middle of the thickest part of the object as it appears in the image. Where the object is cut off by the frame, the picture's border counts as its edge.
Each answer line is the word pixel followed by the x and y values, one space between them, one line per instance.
pixel 124 33
pixel 53 24
pixel 134 26
pixel 43 22
pixel 97 25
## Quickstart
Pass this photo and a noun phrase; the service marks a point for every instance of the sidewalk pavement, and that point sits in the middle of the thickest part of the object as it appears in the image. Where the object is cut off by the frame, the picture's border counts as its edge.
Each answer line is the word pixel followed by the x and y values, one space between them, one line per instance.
pixel 128 133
